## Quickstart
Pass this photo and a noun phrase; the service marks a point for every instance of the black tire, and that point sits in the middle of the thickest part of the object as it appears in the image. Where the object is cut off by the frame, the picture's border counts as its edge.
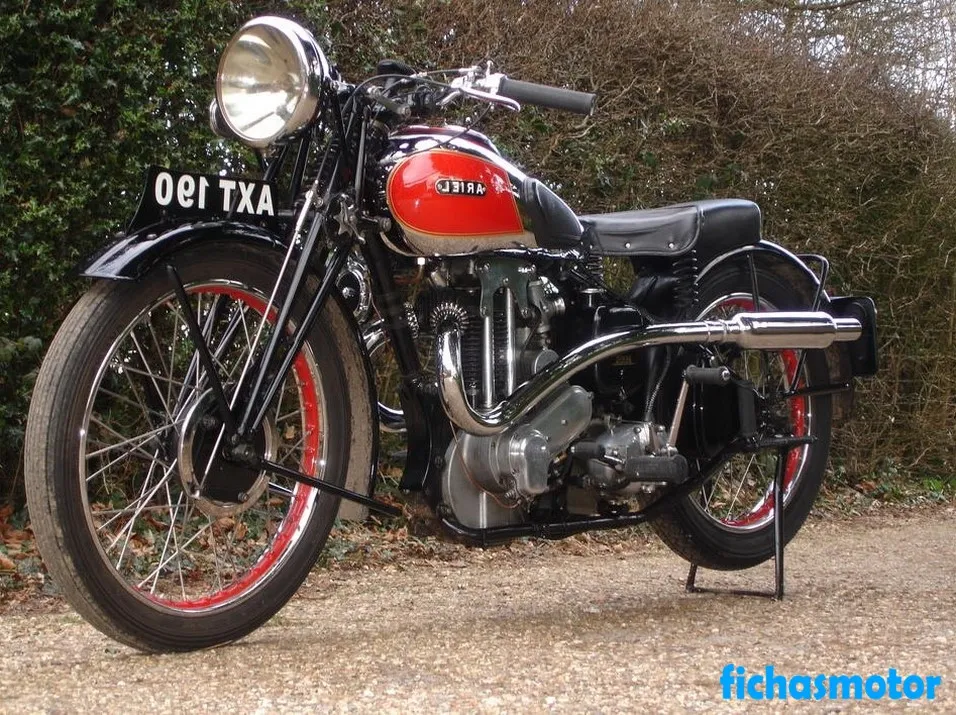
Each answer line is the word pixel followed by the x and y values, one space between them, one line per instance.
pixel 258 560
pixel 731 542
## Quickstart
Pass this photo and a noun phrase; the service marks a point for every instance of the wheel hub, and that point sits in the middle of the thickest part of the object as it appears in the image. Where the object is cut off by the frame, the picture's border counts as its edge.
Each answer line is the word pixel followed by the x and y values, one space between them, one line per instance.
pixel 219 483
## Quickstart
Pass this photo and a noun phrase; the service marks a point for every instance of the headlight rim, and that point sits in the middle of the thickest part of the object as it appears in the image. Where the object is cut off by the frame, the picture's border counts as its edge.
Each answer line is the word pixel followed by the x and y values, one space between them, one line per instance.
pixel 312 62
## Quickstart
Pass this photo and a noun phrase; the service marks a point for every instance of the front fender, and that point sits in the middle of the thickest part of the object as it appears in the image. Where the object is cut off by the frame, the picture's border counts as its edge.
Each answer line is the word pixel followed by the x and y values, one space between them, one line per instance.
pixel 133 255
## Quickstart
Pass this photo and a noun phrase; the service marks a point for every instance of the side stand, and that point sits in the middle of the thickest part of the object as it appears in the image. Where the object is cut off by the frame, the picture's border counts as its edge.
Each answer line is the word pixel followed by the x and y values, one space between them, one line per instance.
pixel 778 542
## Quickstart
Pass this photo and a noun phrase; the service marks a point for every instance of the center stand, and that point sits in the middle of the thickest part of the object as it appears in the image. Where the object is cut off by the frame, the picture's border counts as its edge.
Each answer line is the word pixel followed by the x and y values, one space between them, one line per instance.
pixel 778 534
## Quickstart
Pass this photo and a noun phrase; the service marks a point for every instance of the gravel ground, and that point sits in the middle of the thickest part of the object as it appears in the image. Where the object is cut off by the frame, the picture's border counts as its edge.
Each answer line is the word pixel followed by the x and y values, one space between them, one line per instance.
pixel 531 629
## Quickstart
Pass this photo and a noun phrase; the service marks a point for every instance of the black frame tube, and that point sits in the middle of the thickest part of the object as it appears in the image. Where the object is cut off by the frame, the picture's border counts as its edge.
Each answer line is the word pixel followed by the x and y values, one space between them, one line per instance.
pixel 322 485
pixel 298 169
pixel 298 281
pixel 256 407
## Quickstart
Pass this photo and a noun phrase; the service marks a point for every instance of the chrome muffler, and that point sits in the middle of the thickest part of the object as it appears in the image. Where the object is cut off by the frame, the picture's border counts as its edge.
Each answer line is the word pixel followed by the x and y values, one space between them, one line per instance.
pixel 752 331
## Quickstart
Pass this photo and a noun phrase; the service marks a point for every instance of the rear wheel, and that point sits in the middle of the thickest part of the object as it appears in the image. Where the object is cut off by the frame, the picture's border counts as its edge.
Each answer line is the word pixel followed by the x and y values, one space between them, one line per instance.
pixel 153 535
pixel 728 523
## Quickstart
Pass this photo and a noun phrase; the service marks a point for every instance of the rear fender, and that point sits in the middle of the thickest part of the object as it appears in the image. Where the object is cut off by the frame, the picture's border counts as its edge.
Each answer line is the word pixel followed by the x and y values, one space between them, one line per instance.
pixel 778 259
pixel 133 255
pixel 806 283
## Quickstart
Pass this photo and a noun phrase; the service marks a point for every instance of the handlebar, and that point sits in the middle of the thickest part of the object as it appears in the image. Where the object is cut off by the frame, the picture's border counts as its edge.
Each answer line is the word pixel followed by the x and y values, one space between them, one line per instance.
pixel 475 82
pixel 542 95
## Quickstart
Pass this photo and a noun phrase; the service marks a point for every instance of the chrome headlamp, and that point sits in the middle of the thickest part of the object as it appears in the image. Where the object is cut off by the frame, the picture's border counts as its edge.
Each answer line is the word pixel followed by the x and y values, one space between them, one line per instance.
pixel 270 80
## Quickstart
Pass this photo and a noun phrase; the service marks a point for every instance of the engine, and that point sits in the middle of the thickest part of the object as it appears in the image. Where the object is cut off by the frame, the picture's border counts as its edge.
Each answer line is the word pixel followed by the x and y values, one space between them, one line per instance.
pixel 506 313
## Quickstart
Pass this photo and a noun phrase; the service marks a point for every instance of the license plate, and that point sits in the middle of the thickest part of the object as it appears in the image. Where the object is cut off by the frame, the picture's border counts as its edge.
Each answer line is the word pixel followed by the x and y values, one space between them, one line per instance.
pixel 176 196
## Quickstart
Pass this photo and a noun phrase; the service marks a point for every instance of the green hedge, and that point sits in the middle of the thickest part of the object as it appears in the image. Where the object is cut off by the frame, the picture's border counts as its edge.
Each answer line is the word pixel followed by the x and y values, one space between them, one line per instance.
pixel 692 105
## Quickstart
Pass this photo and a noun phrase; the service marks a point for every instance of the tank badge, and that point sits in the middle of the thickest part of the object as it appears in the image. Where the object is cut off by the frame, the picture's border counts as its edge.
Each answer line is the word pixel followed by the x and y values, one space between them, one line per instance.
pixel 460 187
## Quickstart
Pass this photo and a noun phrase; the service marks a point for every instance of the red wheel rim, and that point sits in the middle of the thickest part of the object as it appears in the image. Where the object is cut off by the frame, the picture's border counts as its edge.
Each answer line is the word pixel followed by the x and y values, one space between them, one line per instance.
pixel 302 494
pixel 252 548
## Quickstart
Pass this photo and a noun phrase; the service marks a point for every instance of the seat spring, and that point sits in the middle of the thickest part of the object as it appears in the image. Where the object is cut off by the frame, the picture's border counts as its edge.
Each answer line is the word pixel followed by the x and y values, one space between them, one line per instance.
pixel 686 291
pixel 595 266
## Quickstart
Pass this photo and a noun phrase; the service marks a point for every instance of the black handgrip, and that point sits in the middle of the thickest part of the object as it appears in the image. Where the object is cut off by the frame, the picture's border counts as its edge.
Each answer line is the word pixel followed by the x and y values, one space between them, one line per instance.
pixel 542 95
pixel 389 66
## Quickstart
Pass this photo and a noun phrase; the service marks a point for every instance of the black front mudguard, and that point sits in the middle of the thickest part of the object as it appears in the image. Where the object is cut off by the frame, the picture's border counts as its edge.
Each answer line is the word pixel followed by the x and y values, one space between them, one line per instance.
pixel 132 255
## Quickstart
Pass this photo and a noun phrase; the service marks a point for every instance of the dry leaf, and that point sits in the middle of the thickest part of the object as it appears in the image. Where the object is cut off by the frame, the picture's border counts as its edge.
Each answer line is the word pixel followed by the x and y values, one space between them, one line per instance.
pixel 16 536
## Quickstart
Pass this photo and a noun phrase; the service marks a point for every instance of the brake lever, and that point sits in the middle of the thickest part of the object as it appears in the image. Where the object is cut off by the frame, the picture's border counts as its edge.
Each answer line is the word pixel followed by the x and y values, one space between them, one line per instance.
pixel 506 102
pixel 465 85
pixel 448 98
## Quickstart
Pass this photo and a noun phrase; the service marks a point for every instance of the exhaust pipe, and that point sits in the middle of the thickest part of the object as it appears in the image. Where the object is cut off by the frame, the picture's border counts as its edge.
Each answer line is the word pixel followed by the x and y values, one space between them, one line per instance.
pixel 753 331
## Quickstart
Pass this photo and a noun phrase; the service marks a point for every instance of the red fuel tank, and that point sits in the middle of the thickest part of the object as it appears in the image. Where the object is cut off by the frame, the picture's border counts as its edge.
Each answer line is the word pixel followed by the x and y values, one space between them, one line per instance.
pixel 452 194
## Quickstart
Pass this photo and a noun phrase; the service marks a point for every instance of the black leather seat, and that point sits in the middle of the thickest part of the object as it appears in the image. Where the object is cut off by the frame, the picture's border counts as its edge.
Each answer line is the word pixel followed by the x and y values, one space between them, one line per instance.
pixel 716 225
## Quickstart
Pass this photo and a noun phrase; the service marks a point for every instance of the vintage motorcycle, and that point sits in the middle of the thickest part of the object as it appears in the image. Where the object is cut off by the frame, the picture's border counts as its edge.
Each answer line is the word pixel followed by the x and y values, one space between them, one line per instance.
pixel 209 401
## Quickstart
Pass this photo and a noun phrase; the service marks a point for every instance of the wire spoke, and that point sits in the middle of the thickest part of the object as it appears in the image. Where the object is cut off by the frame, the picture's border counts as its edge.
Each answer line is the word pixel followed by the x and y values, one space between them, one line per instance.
pixel 136 371
pixel 713 488
pixel 163 563
pixel 159 351
pixel 288 415
pixel 131 452
pixel 116 513
pixel 170 536
pixel 139 398
pixel 172 361
pixel 280 490
pixel 245 327
pixel 743 479
pixel 215 551
pixel 139 439
pixel 147 411
pixel 144 498
pixel 150 373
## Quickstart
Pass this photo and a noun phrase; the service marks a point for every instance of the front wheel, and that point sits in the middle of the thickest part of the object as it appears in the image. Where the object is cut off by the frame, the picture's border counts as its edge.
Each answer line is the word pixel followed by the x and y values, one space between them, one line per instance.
pixel 152 534
pixel 728 523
